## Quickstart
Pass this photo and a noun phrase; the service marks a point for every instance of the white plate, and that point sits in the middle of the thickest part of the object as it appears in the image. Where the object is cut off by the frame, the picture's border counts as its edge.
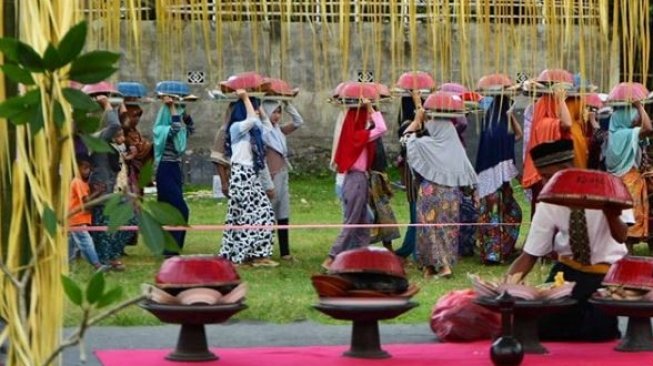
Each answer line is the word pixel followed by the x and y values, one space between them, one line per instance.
pixel 363 301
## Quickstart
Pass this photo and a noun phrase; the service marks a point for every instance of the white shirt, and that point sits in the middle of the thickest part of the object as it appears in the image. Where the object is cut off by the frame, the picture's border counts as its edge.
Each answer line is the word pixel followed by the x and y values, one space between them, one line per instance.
pixel 550 220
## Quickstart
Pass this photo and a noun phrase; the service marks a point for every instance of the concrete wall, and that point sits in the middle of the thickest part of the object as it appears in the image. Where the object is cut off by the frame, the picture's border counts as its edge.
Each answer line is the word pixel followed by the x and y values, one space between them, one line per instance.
pixel 311 59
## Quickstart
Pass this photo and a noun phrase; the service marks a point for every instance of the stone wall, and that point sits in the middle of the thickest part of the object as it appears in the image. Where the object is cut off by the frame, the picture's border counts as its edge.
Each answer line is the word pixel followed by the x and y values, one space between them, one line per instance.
pixel 312 61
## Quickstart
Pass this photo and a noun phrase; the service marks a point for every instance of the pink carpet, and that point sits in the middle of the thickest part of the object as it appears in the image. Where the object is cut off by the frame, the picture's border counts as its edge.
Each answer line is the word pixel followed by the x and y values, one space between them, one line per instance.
pixel 468 354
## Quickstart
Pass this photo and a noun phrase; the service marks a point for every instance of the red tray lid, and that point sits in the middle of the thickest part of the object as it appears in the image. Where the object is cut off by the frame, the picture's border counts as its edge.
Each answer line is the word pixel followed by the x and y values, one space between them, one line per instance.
pixel 368 260
pixel 632 272
pixel 196 270
pixel 586 189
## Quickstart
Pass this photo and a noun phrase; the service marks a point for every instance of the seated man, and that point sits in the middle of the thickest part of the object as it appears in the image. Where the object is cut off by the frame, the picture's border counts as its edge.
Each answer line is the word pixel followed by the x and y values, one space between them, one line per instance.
pixel 587 242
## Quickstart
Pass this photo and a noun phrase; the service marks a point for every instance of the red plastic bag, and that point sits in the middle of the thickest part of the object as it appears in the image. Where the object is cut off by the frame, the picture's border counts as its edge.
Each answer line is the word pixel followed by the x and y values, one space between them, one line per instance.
pixel 455 318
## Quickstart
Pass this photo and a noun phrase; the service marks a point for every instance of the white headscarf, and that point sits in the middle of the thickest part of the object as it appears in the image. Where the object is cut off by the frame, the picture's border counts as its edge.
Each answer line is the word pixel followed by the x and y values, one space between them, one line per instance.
pixel 440 157
pixel 274 138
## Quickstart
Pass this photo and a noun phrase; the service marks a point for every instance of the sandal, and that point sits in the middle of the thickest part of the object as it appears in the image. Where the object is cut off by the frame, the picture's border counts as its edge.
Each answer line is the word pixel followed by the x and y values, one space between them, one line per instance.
pixel 117 266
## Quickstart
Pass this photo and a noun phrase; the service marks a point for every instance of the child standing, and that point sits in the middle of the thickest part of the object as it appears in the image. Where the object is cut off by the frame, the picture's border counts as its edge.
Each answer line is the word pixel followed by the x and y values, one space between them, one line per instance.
pixel 79 195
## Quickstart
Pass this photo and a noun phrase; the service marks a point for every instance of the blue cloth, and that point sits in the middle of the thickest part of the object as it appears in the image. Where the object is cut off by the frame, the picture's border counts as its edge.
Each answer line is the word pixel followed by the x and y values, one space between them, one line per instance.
pixel 623 141
pixel 132 89
pixel 163 128
pixel 172 87
pixel 239 114
pixel 170 189
pixel 496 143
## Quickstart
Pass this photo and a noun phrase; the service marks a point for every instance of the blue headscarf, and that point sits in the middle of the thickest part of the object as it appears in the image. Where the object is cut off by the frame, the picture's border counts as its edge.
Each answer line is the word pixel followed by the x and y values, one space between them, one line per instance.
pixel 623 141
pixel 496 143
pixel 161 129
pixel 239 114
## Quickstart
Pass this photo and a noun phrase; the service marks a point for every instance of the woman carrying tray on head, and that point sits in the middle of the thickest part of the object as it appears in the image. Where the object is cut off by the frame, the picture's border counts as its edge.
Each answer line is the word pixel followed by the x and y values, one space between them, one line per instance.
pixel 171 130
pixel 441 168
pixel 587 241
pixel 628 125
pixel 248 202
pixel 278 164
pixel 495 166
pixel 353 157
pixel 551 121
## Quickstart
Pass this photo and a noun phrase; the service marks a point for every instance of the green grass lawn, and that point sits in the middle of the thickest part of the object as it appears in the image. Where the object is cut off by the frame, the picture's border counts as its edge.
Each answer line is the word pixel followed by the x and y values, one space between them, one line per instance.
pixel 282 294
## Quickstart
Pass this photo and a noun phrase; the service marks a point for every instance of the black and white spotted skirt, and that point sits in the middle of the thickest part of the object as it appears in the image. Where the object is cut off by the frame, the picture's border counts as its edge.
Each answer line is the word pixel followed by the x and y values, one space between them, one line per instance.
pixel 248 205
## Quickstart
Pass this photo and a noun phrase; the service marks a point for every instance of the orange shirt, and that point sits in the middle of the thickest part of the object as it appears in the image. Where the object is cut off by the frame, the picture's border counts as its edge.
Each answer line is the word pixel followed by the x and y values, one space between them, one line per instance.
pixel 79 190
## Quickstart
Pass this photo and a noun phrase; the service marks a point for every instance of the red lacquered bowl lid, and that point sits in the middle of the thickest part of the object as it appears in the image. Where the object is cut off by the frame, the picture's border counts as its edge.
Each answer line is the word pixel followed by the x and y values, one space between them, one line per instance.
pixel 494 82
pixel 196 270
pixel 631 271
pixel 368 260
pixel 586 189
pixel 416 80
pixel 593 100
pixel 383 90
pixel 278 87
pixel 358 90
pixel 453 88
pixel 250 81
pixel 628 92
pixel 444 101
pixel 555 76
pixel 101 87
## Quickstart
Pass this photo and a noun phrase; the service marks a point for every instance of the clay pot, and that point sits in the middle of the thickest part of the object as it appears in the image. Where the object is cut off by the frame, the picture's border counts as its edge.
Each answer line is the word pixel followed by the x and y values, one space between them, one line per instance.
pixel 584 188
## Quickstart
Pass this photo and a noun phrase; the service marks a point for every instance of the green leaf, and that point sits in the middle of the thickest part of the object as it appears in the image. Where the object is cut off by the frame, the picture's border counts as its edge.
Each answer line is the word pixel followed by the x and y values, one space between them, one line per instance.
pixel 118 216
pixel 58 114
pixel 36 121
pixel 50 221
pixel 145 175
pixel 72 43
pixel 9 48
pixel 19 109
pixel 165 213
pixel 87 124
pixel 79 100
pixel 29 58
pixel 151 232
pixel 113 201
pixel 95 288
pixel 51 58
pixel 170 244
pixel 96 144
pixel 109 297
pixel 72 290
pixel 17 74
pixel 93 67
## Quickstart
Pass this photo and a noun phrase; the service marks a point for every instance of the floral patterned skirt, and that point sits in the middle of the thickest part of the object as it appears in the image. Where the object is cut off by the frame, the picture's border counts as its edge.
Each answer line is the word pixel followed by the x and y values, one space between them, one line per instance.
pixel 437 245
pixel 496 239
